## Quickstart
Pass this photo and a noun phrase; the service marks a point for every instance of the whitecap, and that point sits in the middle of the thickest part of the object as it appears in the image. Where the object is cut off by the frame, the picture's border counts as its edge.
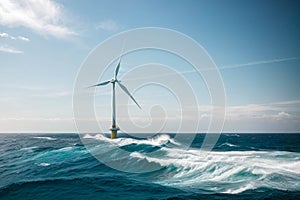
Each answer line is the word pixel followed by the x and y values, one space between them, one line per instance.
pixel 229 171
pixel 29 148
pixel 229 144
pixel 225 169
pixel 44 164
pixel 158 140
pixel 64 149
pixel 44 138
pixel 240 189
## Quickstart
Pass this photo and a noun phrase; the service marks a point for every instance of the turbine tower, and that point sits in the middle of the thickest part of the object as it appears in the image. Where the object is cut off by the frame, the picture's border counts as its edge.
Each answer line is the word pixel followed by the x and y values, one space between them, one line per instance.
pixel 114 129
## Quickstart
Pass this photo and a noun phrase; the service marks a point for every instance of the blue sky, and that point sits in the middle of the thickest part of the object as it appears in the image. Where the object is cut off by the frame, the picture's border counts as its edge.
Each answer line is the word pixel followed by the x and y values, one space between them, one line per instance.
pixel 255 44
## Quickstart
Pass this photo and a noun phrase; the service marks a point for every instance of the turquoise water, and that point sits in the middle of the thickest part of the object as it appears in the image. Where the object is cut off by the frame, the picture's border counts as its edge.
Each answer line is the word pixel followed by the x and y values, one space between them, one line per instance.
pixel 241 166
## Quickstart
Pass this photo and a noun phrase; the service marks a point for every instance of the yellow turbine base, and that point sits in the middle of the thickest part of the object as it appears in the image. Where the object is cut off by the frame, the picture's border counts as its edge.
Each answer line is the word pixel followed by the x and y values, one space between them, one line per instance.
pixel 113 134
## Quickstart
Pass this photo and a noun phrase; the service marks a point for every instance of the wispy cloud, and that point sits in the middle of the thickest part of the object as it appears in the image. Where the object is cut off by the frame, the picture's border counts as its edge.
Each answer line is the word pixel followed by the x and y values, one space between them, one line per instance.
pixel 20 86
pixel 8 49
pixel 258 63
pixel 58 94
pixel 225 67
pixel 36 119
pixel 42 16
pixel 108 25
pixel 23 38
pixel 6 35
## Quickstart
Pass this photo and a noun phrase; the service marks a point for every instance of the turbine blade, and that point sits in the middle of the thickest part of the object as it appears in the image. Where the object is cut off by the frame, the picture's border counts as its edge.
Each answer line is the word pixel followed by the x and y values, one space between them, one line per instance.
pixel 128 93
pixel 100 84
pixel 117 69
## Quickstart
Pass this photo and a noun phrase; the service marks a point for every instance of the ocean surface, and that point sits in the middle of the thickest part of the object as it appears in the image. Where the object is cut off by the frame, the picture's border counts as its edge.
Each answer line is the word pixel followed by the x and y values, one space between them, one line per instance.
pixel 67 166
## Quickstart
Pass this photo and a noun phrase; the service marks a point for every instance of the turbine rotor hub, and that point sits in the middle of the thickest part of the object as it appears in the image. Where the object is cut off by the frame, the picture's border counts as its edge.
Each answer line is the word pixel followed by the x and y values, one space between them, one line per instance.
pixel 114 80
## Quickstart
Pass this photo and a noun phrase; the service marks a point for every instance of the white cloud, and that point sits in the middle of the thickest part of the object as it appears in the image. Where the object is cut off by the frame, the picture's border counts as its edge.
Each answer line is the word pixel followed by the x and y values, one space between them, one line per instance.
pixel 6 35
pixel 272 111
pixel 282 115
pixel 23 38
pixel 273 117
pixel 42 16
pixel 278 111
pixel 9 50
pixel 287 103
pixel 108 25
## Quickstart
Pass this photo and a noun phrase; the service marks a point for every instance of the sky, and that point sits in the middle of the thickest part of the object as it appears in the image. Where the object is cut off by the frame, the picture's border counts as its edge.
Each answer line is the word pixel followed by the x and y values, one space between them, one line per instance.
pixel 254 44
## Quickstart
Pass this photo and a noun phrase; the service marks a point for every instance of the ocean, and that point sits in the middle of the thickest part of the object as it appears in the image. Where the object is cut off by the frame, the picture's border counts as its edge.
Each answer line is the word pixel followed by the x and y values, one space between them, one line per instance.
pixel 61 166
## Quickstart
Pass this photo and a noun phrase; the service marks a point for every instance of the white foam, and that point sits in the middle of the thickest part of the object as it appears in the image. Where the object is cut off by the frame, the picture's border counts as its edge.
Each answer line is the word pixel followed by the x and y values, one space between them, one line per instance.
pixel 44 164
pixel 45 138
pixel 229 144
pixel 223 168
pixel 240 189
pixel 97 137
pixel 230 172
pixel 64 149
pixel 29 148
pixel 154 141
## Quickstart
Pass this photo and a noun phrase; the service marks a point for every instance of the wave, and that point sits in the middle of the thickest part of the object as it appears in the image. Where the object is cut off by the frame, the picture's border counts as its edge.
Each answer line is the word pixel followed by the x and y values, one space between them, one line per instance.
pixel 30 149
pixel 40 182
pixel 44 138
pixel 232 135
pixel 112 187
pixel 43 164
pixel 230 172
pixel 96 187
pixel 228 144
pixel 158 140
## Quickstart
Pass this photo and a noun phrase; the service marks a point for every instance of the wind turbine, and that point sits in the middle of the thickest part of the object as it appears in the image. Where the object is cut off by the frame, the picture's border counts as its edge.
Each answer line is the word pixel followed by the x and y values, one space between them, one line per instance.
pixel 114 129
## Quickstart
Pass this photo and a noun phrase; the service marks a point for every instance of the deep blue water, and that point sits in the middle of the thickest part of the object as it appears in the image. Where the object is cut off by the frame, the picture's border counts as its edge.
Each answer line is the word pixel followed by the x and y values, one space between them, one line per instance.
pixel 241 166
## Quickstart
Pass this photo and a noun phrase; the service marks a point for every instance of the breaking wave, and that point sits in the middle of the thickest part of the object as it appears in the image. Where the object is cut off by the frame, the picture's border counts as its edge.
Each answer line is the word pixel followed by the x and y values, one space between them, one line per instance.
pixel 215 172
